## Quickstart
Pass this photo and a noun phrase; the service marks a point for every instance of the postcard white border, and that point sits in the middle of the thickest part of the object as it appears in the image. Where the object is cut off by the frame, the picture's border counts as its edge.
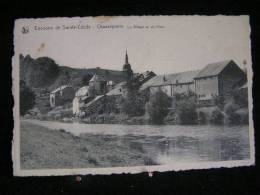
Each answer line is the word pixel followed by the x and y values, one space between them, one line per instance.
pixel 17 171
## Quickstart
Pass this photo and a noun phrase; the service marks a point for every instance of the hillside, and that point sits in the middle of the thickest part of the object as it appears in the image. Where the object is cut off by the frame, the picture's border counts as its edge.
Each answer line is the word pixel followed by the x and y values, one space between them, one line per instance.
pixel 44 72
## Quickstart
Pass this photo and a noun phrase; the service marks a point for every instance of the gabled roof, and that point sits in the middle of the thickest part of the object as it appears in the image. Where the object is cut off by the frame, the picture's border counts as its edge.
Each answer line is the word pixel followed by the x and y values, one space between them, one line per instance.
pixel 92 101
pixel 60 88
pixel 82 91
pixel 117 90
pixel 213 69
pixel 97 78
pixel 176 78
pixel 108 76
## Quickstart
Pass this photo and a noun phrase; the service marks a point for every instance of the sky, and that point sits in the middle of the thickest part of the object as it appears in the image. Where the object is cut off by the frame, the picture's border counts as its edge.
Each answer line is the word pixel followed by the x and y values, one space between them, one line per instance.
pixel 174 44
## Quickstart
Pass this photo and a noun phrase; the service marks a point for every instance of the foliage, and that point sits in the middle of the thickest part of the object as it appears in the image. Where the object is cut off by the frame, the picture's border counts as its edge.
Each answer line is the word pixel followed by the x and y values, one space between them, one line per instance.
pixel 27 98
pixel 158 107
pixel 230 109
pixel 240 97
pixel 41 72
pixel 217 117
pixel 111 105
pixel 133 104
pixel 85 79
pixel 186 110
pixel 202 117
pixel 219 101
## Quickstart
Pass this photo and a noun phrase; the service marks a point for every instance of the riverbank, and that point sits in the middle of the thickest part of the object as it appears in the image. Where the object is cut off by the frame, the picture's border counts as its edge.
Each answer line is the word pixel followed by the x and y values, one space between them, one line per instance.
pixel 46 144
pixel 201 116
pixel 43 148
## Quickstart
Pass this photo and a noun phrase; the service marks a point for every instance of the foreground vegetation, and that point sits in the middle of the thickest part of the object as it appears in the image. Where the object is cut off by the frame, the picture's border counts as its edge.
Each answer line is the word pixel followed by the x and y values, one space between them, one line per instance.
pixel 38 144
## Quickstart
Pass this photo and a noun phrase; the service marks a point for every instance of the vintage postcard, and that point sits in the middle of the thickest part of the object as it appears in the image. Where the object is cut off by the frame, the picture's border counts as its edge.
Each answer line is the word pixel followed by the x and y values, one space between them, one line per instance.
pixel 103 95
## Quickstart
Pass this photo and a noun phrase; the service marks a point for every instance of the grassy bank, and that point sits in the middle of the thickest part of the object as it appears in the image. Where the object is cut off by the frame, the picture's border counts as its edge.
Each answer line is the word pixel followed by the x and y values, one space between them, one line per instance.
pixel 43 148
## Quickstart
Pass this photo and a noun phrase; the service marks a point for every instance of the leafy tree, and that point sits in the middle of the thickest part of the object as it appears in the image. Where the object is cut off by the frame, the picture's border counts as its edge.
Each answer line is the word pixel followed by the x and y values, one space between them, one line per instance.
pixel 134 102
pixel 230 109
pixel 186 110
pixel 240 97
pixel 85 79
pixel 158 107
pixel 27 98
pixel 219 101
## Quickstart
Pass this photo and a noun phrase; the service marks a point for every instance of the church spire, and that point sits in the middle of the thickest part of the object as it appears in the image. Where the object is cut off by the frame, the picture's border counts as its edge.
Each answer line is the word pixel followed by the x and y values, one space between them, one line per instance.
pixel 126 58
pixel 127 67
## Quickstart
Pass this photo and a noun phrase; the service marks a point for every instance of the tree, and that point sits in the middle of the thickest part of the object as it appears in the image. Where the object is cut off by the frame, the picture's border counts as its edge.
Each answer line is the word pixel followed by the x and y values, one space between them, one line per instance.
pixel 27 98
pixel 219 101
pixel 186 110
pixel 158 107
pixel 230 110
pixel 85 79
pixel 134 102
pixel 240 97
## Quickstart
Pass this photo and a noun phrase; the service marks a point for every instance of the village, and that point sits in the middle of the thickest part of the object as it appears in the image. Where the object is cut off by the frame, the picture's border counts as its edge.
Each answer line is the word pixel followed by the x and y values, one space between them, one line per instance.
pixel 217 93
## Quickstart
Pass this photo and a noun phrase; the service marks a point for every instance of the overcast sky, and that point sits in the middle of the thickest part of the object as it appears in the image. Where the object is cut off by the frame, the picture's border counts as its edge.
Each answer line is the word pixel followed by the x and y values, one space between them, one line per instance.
pixel 184 42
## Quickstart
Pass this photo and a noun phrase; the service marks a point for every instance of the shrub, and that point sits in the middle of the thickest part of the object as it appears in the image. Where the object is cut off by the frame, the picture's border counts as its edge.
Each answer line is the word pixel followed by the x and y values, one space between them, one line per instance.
pixel 158 107
pixel 217 117
pixel 111 105
pixel 219 101
pixel 186 111
pixel 202 117
pixel 244 115
pixel 170 118
pixel 240 97
pixel 232 116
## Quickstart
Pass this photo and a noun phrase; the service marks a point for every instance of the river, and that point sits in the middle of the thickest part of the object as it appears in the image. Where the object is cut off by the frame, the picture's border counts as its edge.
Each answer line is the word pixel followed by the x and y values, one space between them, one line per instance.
pixel 170 143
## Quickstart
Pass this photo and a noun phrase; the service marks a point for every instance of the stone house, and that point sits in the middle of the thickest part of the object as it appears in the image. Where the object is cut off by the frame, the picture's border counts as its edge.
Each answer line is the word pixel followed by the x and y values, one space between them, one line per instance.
pixel 218 79
pixel 171 84
pixel 82 96
pixel 61 95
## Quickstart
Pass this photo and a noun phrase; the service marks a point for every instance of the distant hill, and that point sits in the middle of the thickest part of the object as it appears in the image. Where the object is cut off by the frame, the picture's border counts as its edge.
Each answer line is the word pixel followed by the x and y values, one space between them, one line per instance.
pixel 43 72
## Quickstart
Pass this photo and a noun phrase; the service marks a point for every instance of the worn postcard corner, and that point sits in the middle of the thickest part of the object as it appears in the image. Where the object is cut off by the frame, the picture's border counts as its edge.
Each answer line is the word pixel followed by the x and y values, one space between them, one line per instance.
pixel 131 94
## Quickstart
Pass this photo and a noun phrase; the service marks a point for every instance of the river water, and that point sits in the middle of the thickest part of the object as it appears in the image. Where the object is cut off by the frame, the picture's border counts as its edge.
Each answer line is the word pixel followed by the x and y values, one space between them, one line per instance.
pixel 171 143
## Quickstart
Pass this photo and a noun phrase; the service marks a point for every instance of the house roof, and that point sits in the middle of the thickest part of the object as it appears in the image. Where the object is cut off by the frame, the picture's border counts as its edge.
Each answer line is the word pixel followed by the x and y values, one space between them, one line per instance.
pixel 97 78
pixel 108 76
pixel 116 90
pixel 60 88
pixel 176 78
pixel 213 69
pixel 92 101
pixel 82 91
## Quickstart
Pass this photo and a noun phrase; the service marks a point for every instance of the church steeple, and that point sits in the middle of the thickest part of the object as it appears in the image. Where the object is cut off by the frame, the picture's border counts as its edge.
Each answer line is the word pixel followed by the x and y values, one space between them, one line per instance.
pixel 126 58
pixel 127 67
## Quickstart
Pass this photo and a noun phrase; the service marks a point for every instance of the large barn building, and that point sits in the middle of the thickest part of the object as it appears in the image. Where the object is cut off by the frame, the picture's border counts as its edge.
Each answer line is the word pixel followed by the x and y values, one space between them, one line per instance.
pixel 218 79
